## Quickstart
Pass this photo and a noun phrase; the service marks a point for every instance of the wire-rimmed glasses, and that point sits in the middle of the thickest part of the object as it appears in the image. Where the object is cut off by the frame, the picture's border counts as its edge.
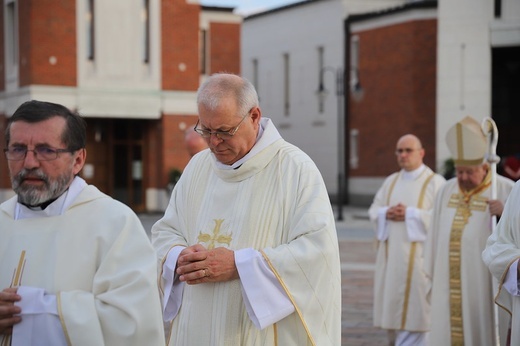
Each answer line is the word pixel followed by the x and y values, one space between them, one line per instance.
pixel 42 153
pixel 223 135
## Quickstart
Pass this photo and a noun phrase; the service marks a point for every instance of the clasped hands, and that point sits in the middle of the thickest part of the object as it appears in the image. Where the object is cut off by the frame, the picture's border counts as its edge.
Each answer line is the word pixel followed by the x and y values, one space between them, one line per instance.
pixel 396 212
pixel 8 310
pixel 196 265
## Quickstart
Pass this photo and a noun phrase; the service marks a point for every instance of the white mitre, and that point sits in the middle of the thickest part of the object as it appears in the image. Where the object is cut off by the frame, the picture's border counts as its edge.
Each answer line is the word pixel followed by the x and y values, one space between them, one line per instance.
pixel 467 142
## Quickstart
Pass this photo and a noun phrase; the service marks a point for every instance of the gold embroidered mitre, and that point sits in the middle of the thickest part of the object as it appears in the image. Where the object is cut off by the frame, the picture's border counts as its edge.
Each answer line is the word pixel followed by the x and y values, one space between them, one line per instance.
pixel 467 142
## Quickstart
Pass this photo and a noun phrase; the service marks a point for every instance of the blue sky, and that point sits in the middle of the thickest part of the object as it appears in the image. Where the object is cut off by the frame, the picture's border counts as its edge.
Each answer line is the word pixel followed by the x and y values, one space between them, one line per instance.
pixel 248 6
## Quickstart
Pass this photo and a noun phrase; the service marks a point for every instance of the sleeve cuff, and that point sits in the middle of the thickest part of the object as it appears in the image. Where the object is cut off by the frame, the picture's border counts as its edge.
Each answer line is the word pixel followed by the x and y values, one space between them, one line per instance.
pixel 265 299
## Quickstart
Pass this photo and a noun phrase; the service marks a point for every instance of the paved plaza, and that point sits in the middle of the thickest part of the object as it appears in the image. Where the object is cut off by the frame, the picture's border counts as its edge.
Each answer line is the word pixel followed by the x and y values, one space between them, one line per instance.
pixel 357 251
pixel 358 254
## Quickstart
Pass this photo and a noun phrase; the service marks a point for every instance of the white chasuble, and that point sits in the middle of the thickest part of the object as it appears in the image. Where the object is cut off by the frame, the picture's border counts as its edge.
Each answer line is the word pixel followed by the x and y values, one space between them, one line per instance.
pixel 502 252
pixel 462 292
pixel 399 282
pixel 98 262
pixel 276 203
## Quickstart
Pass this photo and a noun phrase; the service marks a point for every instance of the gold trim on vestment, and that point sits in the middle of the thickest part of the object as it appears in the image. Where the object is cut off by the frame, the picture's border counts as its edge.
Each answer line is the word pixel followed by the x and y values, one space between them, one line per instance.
pixel 390 189
pixel 411 258
pixel 474 162
pixel 62 320
pixel 161 290
pixel 289 295
pixel 464 202
pixel 408 284
pixel 501 283
pixel 460 143
pixel 275 334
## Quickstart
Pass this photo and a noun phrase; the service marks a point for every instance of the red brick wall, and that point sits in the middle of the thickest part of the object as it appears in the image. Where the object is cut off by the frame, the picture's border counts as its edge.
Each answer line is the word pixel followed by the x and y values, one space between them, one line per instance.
pixel 225 48
pixel 174 152
pixel 179 45
pixel 397 71
pixel 2 49
pixel 47 28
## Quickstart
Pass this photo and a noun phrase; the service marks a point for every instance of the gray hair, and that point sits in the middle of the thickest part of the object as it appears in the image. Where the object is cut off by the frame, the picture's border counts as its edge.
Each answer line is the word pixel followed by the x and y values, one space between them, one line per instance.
pixel 74 135
pixel 223 85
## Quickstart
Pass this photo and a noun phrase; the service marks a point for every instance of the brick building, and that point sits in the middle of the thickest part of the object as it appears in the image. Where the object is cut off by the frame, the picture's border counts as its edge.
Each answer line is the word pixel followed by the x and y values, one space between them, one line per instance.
pixel 393 90
pixel 131 68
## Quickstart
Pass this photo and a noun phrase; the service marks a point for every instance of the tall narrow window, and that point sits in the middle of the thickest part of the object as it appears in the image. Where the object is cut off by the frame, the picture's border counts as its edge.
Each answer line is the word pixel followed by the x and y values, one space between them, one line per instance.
pixel 321 53
pixel 354 149
pixel 286 84
pixel 202 51
pixel 354 64
pixel 90 30
pixel 498 8
pixel 11 35
pixel 146 31
pixel 255 74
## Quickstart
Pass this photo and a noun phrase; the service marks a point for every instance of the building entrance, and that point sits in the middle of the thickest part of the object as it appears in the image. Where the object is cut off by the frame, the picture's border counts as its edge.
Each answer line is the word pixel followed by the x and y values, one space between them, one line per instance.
pixel 505 107
pixel 115 159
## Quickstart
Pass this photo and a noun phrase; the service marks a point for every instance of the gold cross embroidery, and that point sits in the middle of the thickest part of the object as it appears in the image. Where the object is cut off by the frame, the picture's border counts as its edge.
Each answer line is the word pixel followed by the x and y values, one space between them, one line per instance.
pixel 216 237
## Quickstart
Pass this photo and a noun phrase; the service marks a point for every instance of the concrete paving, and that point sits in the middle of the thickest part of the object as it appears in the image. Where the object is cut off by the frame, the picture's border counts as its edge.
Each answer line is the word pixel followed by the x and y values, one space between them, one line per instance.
pixel 357 253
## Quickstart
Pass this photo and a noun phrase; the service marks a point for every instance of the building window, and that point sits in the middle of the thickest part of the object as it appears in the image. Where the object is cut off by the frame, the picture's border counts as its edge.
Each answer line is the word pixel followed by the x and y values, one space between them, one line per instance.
pixel 255 74
pixel 498 8
pixel 11 36
pixel 90 30
pixel 354 149
pixel 146 31
pixel 354 64
pixel 321 100
pixel 203 51
pixel 286 83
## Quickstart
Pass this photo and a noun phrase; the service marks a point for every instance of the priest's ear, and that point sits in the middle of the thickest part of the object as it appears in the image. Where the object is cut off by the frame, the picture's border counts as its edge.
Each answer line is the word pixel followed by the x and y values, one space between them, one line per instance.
pixel 79 160
pixel 256 115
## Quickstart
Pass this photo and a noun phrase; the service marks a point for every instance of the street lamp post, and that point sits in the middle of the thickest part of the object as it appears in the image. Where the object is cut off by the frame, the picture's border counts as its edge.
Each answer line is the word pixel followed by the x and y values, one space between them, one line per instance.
pixel 340 94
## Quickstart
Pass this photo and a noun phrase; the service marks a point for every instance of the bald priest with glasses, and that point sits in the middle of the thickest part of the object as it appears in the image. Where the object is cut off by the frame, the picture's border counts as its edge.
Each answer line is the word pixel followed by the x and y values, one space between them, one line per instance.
pixel 76 266
pixel 401 213
pixel 247 248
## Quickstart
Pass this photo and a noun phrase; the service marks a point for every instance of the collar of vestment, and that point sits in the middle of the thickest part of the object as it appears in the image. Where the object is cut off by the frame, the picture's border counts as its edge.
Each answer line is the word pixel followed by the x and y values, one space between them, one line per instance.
pixel 265 148
pixel 55 208
pixel 412 175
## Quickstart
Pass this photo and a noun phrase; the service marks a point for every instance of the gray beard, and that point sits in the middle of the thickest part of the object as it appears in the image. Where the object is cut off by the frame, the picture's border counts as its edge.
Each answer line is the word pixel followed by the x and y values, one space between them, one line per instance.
pixel 35 195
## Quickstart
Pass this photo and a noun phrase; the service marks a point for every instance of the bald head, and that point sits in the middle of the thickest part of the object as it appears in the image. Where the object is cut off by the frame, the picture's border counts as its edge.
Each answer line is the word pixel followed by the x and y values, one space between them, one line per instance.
pixel 409 152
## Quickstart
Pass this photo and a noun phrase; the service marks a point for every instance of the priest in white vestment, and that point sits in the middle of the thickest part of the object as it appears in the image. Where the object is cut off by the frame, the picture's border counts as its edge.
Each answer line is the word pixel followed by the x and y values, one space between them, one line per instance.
pixel 401 213
pixel 76 266
pixel 501 255
pixel 247 248
pixel 462 290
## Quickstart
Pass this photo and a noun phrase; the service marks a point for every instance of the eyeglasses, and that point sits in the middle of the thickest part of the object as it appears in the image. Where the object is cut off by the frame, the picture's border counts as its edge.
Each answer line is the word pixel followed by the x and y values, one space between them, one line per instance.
pixel 404 150
pixel 41 153
pixel 223 135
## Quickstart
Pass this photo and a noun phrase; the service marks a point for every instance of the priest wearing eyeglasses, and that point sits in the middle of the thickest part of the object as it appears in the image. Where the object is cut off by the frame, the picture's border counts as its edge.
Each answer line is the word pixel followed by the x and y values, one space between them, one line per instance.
pixel 401 213
pixel 76 266
pixel 247 248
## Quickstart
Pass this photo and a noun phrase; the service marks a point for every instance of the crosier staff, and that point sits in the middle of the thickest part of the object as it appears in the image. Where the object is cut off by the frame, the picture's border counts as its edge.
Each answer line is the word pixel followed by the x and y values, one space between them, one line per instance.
pixel 489 128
